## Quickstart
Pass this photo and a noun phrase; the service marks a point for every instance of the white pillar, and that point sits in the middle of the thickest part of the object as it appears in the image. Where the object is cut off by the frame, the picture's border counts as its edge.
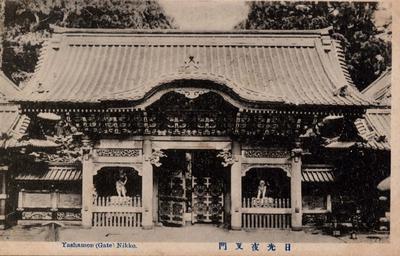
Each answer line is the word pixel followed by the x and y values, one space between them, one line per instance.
pixel 295 190
pixel 147 186
pixel 236 187
pixel 155 201
pixel 87 191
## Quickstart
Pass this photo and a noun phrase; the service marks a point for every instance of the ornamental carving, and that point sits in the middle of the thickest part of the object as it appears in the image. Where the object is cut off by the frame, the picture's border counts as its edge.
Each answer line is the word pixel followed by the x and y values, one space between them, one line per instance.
pixel 37 215
pixel 156 157
pixel 190 65
pixel 117 152
pixel 191 93
pixel 284 167
pixel 69 216
pixel 227 157
pixel 256 153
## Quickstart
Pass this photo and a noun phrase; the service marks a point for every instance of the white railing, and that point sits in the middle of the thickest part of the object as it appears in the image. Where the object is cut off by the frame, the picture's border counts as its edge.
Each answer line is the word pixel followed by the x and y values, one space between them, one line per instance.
pixel 117 201
pixel 266 202
pixel 117 219
pixel 114 211
pixel 263 221
pixel 266 213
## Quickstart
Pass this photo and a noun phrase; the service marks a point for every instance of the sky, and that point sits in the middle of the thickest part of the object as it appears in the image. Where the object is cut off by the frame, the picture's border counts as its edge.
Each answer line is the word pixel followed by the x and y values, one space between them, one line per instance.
pixel 205 14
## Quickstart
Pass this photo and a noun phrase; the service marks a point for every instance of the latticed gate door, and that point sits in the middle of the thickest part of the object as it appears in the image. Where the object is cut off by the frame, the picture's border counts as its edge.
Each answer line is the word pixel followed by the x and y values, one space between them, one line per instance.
pixel 207 200
pixel 172 199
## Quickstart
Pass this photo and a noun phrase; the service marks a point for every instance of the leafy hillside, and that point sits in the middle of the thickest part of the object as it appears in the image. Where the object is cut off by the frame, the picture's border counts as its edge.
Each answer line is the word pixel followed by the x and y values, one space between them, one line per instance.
pixel 27 25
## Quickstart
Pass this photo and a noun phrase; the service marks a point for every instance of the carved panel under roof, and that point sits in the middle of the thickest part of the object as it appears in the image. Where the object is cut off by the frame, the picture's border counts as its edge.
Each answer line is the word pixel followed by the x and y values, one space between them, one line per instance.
pixel 175 114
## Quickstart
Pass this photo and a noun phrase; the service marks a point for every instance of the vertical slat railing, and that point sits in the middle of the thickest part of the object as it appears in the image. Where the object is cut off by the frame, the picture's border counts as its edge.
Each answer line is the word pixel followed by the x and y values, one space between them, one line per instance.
pixel 124 218
pixel 265 219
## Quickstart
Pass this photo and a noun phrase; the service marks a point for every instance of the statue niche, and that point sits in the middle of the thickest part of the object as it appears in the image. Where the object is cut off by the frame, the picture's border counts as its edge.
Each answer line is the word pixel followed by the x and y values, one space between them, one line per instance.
pixel 117 182
pixel 120 183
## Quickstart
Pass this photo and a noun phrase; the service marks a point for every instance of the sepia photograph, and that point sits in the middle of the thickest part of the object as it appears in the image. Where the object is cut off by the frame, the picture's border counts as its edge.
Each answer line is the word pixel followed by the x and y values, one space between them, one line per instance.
pixel 250 126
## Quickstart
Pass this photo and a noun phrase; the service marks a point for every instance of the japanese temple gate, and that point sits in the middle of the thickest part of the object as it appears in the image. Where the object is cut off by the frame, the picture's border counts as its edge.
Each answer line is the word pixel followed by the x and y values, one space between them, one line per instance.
pixel 253 102
pixel 138 157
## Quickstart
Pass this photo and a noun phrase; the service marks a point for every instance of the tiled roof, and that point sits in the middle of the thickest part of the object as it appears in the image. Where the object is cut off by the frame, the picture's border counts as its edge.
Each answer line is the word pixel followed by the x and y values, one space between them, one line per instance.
pixel 8 117
pixel 13 125
pixel 317 174
pixel 380 89
pixel 54 173
pixel 292 67
pixel 7 88
pixel 374 127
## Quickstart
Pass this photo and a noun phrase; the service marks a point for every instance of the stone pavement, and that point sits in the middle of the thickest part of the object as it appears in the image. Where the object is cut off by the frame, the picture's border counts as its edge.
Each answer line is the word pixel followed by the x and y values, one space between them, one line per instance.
pixel 196 233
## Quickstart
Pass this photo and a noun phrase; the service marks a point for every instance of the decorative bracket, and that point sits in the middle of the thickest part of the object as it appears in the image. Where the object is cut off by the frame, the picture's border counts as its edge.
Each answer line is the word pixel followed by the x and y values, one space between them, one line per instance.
pixel 296 154
pixel 227 157
pixel 156 157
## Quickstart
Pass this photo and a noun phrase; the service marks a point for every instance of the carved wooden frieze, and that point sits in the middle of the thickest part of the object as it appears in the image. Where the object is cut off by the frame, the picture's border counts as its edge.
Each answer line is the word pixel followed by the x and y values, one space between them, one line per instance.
pixel 261 153
pixel 37 215
pixel 118 152
pixel 69 216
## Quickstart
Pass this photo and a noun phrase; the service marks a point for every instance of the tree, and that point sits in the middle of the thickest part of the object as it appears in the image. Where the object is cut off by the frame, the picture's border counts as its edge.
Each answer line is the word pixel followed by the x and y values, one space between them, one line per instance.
pixel 2 13
pixel 27 25
pixel 352 22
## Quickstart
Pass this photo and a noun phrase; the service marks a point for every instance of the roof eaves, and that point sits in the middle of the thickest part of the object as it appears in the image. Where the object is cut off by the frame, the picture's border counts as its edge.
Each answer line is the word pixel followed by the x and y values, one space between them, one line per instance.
pixel 8 81
pixel 377 81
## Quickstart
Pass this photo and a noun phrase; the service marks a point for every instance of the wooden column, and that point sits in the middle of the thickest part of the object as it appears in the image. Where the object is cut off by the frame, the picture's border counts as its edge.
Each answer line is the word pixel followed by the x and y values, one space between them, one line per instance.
pixel 87 191
pixel 147 186
pixel 295 190
pixel 3 197
pixel 236 187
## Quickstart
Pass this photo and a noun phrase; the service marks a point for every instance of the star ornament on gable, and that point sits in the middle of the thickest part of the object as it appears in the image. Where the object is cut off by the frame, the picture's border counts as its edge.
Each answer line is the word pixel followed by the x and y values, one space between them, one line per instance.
pixel 191 65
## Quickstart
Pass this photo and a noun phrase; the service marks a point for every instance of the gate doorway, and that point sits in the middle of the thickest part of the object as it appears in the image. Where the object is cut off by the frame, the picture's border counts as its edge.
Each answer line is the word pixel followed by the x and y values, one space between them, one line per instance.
pixel 193 188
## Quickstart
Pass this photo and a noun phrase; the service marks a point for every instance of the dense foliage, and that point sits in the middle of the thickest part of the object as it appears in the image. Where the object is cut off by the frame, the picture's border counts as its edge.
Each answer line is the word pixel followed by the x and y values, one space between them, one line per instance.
pixel 27 25
pixel 352 22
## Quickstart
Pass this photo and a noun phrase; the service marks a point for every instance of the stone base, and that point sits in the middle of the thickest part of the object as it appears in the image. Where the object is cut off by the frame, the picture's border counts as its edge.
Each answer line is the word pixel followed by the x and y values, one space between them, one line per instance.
pixel 236 228
pixel 147 227
pixel 297 228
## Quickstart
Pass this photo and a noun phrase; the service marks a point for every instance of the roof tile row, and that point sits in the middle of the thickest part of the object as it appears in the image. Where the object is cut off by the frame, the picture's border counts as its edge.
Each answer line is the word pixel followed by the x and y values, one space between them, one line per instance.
pixel 272 67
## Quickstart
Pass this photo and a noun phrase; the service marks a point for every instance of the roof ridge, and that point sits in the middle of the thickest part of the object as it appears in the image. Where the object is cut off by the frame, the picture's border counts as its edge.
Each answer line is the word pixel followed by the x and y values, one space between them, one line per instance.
pixel 65 30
